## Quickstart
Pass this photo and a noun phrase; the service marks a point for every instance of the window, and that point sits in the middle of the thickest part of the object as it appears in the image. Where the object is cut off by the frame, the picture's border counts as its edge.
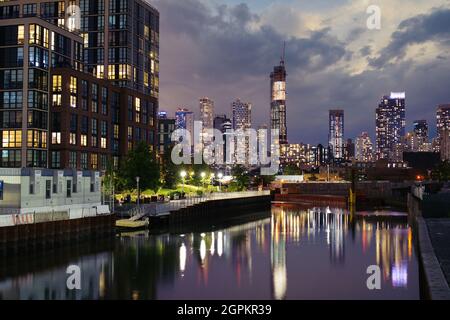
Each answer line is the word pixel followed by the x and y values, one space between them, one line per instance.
pixel 56 159
pixel 56 137
pixel 56 100
pixel 37 139
pixel 116 131
pixel 103 143
pixel 72 138
pixel 73 101
pixel 48 189
pixel 72 159
pixel 138 109
pixel 84 160
pixel 94 161
pixel 73 85
pixel 83 140
pixel 20 34
pixel 57 83
pixel 12 139
pixel 29 10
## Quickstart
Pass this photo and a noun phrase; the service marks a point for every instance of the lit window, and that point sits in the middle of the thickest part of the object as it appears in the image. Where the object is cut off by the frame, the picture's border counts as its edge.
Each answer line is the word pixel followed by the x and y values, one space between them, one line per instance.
pixel 103 143
pixel 56 137
pixel 20 34
pixel 73 138
pixel 73 101
pixel 57 83
pixel 12 139
pixel 83 140
pixel 73 85
pixel 56 100
pixel 94 161
pixel 146 79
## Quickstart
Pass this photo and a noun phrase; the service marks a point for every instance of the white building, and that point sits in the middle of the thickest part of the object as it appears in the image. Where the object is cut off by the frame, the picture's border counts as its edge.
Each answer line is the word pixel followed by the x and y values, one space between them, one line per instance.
pixel 39 195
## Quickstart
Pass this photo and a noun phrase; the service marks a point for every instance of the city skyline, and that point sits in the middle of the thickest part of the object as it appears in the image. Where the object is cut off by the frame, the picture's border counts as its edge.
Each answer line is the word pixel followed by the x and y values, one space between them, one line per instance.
pixel 353 67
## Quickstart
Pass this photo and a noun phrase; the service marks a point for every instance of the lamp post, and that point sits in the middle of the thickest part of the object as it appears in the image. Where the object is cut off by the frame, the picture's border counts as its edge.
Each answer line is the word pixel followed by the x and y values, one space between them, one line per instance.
pixel 183 175
pixel 138 191
pixel 220 176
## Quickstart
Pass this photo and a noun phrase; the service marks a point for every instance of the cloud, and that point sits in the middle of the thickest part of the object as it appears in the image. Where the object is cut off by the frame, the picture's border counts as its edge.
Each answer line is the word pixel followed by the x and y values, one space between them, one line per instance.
pixel 434 26
pixel 227 51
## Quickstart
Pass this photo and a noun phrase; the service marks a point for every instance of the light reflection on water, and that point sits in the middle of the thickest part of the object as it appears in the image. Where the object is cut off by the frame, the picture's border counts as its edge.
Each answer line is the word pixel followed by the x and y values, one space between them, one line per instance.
pixel 319 253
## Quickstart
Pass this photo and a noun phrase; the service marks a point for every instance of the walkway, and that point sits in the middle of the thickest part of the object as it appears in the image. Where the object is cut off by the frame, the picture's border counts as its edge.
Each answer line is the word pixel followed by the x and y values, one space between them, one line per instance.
pixel 439 231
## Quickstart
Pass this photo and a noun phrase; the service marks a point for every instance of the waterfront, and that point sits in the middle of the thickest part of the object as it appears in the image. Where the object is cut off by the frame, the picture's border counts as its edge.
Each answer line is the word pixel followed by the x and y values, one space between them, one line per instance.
pixel 288 253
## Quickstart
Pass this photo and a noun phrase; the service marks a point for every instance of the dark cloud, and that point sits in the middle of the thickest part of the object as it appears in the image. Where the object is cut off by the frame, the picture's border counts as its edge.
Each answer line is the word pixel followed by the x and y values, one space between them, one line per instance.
pixel 434 26
pixel 223 52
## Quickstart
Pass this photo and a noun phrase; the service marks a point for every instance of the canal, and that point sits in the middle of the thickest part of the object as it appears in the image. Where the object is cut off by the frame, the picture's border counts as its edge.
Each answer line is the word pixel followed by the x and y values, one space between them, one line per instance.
pixel 288 253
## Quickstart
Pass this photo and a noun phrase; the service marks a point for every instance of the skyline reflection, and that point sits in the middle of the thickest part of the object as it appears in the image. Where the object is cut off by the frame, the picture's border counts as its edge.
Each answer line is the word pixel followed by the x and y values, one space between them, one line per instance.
pixel 295 253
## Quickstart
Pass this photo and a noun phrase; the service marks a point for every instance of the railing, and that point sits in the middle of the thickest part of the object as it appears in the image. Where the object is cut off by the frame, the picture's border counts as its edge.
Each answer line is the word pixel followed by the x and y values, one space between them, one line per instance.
pixel 155 209
pixel 14 219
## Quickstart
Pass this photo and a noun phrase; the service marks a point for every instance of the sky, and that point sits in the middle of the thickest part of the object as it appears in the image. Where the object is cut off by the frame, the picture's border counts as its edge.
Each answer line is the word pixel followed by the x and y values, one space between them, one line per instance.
pixel 226 49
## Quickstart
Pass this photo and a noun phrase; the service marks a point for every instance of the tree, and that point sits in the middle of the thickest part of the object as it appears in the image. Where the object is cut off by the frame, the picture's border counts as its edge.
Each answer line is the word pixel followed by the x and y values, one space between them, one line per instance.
pixel 169 170
pixel 292 170
pixel 442 171
pixel 241 177
pixel 140 162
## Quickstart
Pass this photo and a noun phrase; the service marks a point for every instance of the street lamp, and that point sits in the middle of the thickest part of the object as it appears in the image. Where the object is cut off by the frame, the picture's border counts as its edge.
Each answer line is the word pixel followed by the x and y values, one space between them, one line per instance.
pixel 138 191
pixel 183 175
pixel 220 176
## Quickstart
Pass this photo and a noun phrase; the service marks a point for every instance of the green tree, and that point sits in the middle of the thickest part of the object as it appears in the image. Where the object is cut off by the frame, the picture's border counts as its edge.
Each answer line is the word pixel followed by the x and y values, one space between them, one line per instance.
pixel 140 162
pixel 292 170
pixel 169 171
pixel 241 177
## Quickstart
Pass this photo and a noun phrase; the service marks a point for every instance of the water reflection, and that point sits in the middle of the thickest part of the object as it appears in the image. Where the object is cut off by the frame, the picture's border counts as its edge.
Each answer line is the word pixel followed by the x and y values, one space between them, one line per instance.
pixel 294 254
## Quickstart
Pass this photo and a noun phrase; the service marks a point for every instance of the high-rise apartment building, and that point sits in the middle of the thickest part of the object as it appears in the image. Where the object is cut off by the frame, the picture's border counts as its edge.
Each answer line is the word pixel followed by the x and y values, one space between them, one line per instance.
pixel 390 126
pixel 207 118
pixel 54 112
pixel 336 134
pixel 363 148
pixel 242 121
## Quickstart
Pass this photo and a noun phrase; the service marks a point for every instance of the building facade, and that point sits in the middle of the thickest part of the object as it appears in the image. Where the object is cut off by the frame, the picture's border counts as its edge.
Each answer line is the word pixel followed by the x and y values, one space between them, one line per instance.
pixel 166 126
pixel 278 101
pixel 363 148
pixel 390 126
pixel 336 134
pixel 56 111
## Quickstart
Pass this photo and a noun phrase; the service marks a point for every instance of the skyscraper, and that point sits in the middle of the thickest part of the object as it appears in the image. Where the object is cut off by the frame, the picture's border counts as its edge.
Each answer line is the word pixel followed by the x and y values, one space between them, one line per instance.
pixel 443 130
pixel 184 119
pixel 442 118
pixel 390 126
pixel 242 114
pixel 364 148
pixel 207 118
pixel 336 134
pixel 278 101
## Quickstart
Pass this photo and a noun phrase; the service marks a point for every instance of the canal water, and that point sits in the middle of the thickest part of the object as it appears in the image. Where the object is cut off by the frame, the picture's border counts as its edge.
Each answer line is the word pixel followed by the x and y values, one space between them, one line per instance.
pixel 288 253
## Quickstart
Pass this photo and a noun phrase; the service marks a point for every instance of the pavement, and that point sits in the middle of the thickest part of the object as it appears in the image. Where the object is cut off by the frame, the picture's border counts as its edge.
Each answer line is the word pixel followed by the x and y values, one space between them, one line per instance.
pixel 439 232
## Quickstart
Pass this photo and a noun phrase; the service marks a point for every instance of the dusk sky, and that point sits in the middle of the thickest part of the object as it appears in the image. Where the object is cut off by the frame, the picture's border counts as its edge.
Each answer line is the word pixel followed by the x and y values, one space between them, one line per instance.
pixel 226 49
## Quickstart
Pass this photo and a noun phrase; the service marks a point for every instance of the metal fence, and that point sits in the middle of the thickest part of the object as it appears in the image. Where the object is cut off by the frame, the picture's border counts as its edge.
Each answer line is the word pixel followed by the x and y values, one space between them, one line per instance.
pixel 14 219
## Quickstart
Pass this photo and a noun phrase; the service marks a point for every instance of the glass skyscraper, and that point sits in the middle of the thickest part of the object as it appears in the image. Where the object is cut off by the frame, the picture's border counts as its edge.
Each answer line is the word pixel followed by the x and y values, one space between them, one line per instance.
pixel 336 134
pixel 390 126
